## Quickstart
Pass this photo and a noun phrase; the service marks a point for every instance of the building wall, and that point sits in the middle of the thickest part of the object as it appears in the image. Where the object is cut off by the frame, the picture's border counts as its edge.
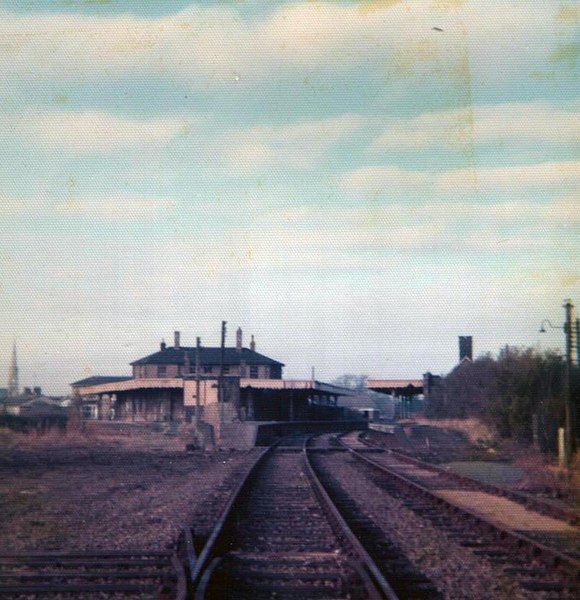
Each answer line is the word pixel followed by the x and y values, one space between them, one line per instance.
pixel 251 371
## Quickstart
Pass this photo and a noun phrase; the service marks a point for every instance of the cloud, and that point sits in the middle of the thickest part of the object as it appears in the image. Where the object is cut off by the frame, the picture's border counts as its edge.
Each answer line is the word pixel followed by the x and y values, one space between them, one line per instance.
pixel 121 207
pixel 327 237
pixel 516 178
pixel 219 45
pixel 558 211
pixel 92 132
pixel 300 145
pixel 386 180
pixel 392 181
pixel 507 123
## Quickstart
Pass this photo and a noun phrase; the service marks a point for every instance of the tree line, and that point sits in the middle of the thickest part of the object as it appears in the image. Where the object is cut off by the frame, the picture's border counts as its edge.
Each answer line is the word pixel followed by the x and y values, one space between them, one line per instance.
pixel 521 392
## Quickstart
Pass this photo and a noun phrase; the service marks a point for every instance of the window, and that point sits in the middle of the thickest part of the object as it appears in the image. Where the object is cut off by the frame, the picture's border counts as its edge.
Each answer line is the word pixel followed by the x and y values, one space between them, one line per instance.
pixel 226 370
pixel 207 369
pixel 254 372
pixel 161 371
pixel 89 411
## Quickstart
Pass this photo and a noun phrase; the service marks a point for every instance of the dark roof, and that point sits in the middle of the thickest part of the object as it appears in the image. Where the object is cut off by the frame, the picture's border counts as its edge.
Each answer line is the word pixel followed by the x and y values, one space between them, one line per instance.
pixel 208 356
pixel 96 380
pixel 39 402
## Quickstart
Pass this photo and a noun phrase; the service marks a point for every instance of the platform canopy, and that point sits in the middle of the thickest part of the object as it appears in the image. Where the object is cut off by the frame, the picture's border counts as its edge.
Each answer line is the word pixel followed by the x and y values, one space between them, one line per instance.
pixel 311 385
pixel 396 387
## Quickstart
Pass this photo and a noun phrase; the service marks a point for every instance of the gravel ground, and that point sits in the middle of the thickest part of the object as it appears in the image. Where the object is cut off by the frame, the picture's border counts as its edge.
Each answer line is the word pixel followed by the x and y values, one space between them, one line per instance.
pixel 101 495
pixel 458 573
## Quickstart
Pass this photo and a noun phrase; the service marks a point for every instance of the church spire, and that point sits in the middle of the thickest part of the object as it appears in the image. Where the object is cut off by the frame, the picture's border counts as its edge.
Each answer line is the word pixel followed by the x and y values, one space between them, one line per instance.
pixel 13 374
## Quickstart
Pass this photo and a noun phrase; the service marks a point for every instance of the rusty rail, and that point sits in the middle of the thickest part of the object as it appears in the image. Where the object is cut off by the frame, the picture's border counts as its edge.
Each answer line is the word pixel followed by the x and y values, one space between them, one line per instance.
pixel 549 556
pixel 210 557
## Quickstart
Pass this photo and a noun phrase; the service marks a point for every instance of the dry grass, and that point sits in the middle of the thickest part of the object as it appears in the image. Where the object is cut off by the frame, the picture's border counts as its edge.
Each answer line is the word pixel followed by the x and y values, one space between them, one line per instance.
pixel 542 473
pixel 63 492
pixel 477 432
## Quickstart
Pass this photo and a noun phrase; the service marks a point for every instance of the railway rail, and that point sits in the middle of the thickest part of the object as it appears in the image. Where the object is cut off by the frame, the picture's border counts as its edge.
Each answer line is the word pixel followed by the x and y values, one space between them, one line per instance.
pixel 464 517
pixel 87 575
pixel 536 504
pixel 282 537
pixel 291 530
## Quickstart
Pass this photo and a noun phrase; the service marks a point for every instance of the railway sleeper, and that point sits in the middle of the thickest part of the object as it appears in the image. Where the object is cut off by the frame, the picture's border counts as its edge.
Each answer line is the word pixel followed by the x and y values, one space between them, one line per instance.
pixel 27 576
pixel 530 571
pixel 113 562
pixel 78 588
pixel 548 586
pixel 286 575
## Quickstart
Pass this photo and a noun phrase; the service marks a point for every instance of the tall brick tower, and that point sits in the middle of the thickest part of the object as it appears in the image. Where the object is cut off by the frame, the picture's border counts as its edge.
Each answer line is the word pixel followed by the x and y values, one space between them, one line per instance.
pixel 465 347
pixel 13 375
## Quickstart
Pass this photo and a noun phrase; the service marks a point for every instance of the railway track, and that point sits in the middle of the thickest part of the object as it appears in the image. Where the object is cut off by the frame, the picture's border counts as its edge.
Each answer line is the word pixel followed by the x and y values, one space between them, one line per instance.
pixel 281 537
pixel 544 507
pixel 127 574
pixel 471 519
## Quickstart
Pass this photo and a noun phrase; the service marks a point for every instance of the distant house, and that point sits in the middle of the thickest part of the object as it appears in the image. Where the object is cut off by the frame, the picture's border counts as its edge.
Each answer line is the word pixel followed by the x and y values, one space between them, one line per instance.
pixel 41 406
pixel 30 398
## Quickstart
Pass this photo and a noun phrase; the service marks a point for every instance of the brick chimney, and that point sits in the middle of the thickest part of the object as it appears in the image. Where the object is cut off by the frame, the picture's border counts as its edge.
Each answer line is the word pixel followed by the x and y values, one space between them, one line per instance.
pixel 253 344
pixel 163 345
pixel 239 339
pixel 176 335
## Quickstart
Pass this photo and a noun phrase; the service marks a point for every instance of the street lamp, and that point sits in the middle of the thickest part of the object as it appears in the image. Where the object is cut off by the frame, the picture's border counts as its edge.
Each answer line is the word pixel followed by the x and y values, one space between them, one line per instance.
pixel 569 409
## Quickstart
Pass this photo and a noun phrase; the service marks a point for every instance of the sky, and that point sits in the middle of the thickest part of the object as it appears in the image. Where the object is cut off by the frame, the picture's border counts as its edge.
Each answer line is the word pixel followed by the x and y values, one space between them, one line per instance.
pixel 355 183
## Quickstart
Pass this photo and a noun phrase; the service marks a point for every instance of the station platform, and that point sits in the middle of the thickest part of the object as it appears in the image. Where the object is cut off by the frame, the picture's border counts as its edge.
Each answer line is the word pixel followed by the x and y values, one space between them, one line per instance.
pixel 246 435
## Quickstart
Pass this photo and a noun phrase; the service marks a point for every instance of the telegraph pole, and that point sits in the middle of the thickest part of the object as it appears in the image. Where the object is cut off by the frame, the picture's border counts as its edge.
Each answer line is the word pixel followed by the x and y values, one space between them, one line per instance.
pixel 569 443
pixel 221 394
pixel 197 382
pixel 578 342
pixel 570 420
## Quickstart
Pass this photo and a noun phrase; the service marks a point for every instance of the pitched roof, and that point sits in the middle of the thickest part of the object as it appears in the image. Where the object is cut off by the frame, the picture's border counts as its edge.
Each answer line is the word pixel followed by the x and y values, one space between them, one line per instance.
pixel 208 356
pixel 97 379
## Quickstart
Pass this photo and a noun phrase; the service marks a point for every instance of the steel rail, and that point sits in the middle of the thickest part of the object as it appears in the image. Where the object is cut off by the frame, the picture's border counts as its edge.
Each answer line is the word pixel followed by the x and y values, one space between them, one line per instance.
pixel 212 545
pixel 570 516
pixel 365 565
pixel 211 555
pixel 552 557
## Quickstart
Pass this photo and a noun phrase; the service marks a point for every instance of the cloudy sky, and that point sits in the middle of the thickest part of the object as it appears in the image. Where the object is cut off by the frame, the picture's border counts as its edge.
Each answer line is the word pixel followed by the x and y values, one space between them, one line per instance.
pixel 342 179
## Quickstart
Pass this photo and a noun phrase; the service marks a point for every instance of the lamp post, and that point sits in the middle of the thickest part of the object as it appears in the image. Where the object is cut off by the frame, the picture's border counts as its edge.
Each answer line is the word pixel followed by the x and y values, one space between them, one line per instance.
pixel 569 409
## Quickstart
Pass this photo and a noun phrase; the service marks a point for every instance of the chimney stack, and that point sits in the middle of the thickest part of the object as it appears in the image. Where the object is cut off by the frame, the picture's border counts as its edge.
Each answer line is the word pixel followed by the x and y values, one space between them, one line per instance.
pixel 239 339
pixel 465 347
pixel 176 339
pixel 253 344
pixel 163 345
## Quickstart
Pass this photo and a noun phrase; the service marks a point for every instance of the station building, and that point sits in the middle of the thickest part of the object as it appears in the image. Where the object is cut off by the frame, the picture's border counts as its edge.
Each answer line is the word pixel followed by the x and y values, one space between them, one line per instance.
pixel 219 389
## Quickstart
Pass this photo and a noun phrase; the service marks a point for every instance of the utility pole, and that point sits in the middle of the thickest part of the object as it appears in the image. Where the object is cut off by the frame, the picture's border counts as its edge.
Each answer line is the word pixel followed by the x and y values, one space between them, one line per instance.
pixel 13 389
pixel 221 394
pixel 567 437
pixel 569 408
pixel 578 342
pixel 197 383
